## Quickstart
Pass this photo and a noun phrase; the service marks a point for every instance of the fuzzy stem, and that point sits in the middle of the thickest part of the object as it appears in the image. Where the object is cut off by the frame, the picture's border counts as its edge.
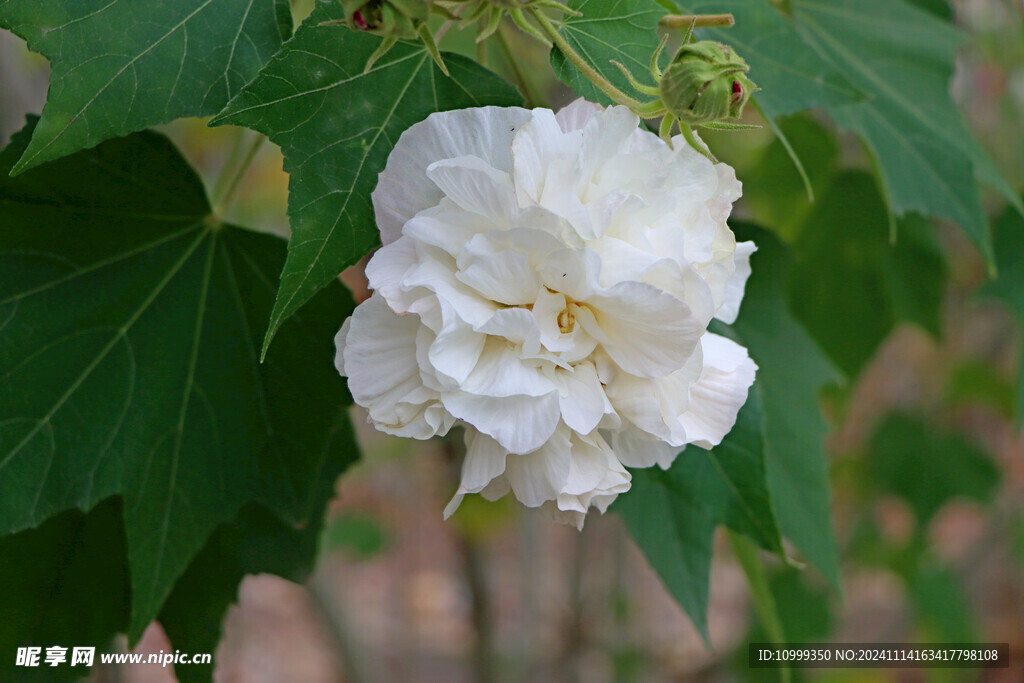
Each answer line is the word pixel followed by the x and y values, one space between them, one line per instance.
pixel 697 20
pixel 517 74
pixel 602 83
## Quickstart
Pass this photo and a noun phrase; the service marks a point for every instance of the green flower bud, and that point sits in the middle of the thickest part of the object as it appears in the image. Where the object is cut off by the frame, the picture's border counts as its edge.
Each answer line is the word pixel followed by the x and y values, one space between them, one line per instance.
pixel 706 82
pixel 398 19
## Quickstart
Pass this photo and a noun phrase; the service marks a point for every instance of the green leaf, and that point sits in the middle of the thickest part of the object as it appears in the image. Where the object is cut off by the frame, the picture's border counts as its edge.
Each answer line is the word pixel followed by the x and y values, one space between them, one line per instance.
pixel 257 542
pixel 939 8
pixel 773 187
pixel 850 286
pixel 927 467
pixel 940 604
pixel 359 534
pixel 804 613
pixel 119 67
pixel 903 58
pixel 130 321
pixel 672 515
pixel 1009 286
pixel 791 371
pixel 65 583
pixel 791 75
pixel 336 126
pixel 622 30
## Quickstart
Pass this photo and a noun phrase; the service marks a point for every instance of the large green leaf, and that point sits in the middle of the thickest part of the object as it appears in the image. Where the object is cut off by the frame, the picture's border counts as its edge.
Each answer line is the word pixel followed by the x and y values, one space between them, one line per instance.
pixel 903 58
pixel 1009 286
pixel 121 66
pixel 773 188
pixel 336 126
pixel 623 30
pixel 926 467
pixel 65 583
pixel 672 515
pixel 257 542
pixel 792 77
pixel 850 285
pixel 791 370
pixel 130 322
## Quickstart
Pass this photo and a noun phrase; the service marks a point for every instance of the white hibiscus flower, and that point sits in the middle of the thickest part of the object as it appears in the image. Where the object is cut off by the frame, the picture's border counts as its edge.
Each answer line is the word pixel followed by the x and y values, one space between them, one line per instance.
pixel 547 280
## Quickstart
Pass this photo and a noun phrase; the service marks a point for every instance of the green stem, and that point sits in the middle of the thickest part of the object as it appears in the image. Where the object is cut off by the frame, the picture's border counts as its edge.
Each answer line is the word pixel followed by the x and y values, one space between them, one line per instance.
pixel 517 74
pixel 764 603
pixel 602 83
pixel 697 21
pixel 230 177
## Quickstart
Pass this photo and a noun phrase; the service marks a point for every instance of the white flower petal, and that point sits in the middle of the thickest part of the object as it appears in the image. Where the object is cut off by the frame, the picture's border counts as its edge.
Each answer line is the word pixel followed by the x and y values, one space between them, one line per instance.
pixel 540 475
pixel 502 275
pixel 403 189
pixel 730 308
pixel 501 372
pixel 379 352
pixel 434 273
pixel 386 270
pixel 447 227
pixel 339 346
pixel 635 399
pixel 596 477
pixel 456 348
pixel 539 148
pixel 635 448
pixel 575 115
pixel 519 423
pixel 476 186
pixel 581 398
pixel 716 398
pixel 518 326
pixel 650 333
pixel 484 462
pixel 573 272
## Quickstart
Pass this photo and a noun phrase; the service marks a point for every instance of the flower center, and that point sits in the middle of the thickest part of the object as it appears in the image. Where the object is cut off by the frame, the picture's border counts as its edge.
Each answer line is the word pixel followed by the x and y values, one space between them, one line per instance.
pixel 566 320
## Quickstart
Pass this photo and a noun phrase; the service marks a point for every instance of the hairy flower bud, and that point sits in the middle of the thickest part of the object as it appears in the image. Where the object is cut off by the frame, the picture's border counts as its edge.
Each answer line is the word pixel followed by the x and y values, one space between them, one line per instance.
pixel 388 18
pixel 706 82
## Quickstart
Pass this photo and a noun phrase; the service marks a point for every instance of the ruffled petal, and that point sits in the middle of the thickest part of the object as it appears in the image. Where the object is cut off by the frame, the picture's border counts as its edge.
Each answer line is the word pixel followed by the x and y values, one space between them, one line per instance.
pixel 476 187
pixel 540 475
pixel 456 348
pixel 581 398
pixel 635 448
pixel 502 275
pixel 716 398
pixel 574 116
pixel 573 272
pixel 484 462
pixel 516 325
pixel 519 423
pixel 501 372
pixel 379 354
pixel 649 332
pixel 435 271
pixel 734 287
pixel 403 188
pixel 386 270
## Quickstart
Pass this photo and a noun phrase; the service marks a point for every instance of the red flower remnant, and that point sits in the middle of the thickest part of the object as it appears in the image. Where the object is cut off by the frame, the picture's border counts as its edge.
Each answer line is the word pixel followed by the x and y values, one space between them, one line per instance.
pixel 737 91
pixel 360 21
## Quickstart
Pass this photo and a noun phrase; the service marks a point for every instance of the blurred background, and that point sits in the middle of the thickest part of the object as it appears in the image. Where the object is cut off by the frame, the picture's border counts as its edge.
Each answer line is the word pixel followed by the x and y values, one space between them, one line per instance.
pixel 927 470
